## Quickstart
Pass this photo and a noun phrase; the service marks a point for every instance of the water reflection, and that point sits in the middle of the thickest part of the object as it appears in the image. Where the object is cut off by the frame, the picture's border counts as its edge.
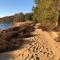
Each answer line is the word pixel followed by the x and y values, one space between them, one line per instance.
pixel 5 26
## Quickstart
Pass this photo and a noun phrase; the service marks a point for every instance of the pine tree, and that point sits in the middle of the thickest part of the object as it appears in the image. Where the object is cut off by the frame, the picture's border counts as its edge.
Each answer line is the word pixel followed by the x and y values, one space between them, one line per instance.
pixel 46 12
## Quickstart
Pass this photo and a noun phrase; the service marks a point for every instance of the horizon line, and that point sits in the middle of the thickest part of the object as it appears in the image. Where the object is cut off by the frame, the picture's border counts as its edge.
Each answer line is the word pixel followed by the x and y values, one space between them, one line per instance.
pixel 1 16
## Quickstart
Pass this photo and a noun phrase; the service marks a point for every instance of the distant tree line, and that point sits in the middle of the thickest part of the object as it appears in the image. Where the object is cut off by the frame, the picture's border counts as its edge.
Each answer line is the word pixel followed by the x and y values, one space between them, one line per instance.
pixel 19 17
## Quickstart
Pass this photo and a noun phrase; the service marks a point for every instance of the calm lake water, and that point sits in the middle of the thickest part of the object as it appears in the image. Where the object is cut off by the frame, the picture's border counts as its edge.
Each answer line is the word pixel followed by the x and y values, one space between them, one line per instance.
pixel 5 26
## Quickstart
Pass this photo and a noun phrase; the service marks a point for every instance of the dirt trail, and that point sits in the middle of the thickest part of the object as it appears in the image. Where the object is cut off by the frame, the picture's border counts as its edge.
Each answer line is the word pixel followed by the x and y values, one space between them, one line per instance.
pixel 41 47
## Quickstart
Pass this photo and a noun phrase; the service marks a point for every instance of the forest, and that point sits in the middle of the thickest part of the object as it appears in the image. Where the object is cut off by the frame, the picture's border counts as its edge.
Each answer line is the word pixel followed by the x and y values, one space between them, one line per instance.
pixel 45 12
pixel 19 17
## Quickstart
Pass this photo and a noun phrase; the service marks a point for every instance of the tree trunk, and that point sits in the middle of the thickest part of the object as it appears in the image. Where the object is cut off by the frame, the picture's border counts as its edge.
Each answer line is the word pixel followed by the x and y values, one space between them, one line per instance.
pixel 59 19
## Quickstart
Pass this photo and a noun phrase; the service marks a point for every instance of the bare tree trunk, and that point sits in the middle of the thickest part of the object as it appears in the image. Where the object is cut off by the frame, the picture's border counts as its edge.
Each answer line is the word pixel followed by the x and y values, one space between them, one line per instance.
pixel 59 19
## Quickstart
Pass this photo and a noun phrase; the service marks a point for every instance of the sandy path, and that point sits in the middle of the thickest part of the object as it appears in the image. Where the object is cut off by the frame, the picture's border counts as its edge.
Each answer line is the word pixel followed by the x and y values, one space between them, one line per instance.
pixel 42 47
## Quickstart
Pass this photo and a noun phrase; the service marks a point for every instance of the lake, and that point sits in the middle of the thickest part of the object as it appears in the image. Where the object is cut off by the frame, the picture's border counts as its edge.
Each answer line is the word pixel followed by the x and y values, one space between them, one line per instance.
pixel 5 26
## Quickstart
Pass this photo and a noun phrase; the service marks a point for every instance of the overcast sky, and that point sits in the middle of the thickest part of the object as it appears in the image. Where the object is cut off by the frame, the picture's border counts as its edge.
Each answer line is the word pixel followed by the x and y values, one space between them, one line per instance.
pixel 10 7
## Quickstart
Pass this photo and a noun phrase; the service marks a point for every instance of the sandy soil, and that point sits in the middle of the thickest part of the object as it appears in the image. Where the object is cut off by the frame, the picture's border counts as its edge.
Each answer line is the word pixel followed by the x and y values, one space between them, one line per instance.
pixel 42 46
pixel 22 23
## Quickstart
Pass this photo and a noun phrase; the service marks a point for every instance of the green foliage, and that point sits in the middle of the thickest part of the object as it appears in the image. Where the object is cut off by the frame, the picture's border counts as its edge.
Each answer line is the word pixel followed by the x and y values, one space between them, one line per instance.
pixel 19 17
pixel 46 12
pixel 28 16
pixel 6 19
pixel 21 34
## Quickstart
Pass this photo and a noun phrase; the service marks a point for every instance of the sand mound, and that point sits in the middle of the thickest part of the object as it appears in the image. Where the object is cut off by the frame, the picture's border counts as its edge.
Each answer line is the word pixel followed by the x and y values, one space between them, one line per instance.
pixel 42 46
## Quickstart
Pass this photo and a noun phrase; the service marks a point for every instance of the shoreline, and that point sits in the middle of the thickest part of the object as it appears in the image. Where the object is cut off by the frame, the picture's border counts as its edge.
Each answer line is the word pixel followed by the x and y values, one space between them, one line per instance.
pixel 13 37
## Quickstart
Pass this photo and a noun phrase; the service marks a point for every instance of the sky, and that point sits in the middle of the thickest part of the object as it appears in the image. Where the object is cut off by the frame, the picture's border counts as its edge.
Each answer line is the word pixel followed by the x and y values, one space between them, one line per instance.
pixel 10 7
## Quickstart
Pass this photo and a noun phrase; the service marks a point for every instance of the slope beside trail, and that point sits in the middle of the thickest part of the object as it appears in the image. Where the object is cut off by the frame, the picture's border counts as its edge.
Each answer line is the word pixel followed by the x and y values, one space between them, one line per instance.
pixel 42 46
